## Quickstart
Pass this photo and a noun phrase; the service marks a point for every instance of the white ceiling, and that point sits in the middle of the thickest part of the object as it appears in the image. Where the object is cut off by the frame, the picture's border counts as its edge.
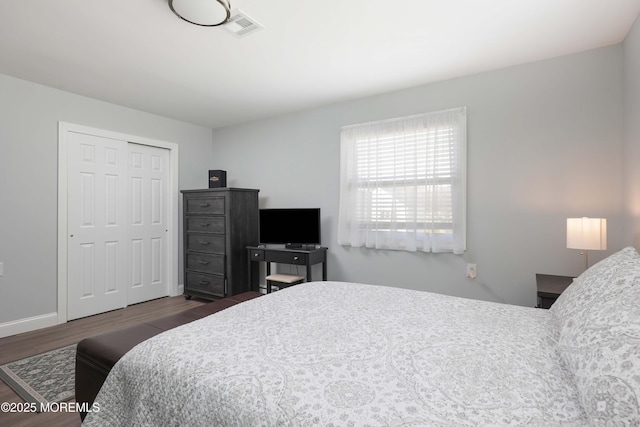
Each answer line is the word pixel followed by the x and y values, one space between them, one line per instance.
pixel 138 54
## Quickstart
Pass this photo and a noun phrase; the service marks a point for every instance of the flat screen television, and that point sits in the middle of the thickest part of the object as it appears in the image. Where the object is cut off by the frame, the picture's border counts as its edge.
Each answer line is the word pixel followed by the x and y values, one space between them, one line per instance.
pixel 294 228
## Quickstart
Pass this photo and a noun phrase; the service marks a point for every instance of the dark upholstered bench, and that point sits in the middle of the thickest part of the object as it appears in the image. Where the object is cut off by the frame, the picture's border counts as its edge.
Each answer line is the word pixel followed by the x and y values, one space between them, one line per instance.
pixel 96 356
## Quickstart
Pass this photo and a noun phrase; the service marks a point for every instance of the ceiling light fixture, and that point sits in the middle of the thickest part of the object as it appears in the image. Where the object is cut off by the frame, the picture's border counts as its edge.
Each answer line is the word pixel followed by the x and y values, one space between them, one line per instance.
pixel 206 13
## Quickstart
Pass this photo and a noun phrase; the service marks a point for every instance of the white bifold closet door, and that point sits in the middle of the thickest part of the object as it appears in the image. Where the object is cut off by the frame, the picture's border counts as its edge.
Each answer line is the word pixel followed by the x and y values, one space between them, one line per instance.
pixel 117 224
pixel 149 212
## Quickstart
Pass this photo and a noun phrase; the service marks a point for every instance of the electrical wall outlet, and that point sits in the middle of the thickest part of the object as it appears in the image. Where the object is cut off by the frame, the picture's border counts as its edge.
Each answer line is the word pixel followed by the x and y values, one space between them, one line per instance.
pixel 471 271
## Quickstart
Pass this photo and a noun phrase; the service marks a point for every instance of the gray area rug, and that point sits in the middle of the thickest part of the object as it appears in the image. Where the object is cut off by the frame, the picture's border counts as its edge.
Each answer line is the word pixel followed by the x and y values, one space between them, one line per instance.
pixel 46 377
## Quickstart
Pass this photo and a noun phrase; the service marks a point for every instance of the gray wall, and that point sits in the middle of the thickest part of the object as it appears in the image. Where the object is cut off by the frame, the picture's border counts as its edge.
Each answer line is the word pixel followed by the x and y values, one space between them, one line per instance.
pixel 29 115
pixel 631 71
pixel 544 144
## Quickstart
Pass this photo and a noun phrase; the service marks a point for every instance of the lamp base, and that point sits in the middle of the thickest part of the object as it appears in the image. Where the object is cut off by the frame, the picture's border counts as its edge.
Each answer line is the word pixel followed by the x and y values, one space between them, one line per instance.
pixel 586 258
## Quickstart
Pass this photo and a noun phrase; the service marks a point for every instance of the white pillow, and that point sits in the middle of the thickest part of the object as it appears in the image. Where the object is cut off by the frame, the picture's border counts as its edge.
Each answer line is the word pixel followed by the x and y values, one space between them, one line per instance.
pixel 598 318
pixel 592 287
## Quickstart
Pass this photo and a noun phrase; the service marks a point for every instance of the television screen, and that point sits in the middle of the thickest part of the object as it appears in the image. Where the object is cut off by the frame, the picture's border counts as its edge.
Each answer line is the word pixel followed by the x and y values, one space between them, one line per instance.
pixel 293 227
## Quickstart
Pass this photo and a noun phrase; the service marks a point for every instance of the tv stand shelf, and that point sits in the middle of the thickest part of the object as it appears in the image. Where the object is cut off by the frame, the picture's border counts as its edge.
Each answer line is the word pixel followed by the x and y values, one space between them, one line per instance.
pixel 292 256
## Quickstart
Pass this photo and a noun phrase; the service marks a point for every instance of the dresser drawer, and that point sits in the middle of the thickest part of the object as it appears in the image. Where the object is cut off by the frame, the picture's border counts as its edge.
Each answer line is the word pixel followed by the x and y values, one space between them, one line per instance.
pixel 256 254
pixel 205 205
pixel 288 258
pixel 205 283
pixel 205 263
pixel 210 243
pixel 212 224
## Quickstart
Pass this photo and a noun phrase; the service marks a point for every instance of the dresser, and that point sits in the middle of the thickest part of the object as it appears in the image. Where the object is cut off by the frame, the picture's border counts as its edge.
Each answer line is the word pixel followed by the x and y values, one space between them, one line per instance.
pixel 218 224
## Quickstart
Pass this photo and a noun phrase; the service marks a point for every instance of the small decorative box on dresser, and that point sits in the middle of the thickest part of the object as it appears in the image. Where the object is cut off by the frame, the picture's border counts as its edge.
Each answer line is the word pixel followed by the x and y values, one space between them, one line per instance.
pixel 218 225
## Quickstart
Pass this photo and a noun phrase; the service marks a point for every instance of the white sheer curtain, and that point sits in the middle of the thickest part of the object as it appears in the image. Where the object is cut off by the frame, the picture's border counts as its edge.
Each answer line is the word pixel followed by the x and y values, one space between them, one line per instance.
pixel 403 183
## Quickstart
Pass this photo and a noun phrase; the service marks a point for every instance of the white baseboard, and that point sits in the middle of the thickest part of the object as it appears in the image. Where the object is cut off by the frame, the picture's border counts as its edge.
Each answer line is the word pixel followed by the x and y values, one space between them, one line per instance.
pixel 28 324
pixel 179 290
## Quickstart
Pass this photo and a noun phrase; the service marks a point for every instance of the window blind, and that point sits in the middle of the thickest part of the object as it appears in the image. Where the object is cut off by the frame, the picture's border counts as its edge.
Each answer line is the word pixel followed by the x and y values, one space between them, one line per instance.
pixel 403 183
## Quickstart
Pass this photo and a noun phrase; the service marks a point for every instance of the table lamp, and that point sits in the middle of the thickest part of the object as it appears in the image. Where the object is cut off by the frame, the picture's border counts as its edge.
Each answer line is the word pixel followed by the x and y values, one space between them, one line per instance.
pixel 587 234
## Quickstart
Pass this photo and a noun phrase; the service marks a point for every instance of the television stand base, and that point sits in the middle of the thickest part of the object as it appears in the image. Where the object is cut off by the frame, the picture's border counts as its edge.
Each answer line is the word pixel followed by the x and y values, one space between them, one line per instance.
pixel 302 257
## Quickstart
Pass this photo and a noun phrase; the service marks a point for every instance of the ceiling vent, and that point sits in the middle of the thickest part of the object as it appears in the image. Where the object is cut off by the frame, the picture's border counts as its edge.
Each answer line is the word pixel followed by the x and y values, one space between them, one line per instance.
pixel 240 24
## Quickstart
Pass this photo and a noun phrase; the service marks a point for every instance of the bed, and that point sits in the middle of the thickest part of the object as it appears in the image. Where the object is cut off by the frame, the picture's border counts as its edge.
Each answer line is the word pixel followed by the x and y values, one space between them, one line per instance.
pixel 339 354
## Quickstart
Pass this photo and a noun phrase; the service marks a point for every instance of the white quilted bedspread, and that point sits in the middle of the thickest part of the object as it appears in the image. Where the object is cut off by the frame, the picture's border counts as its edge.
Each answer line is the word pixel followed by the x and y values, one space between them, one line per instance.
pixel 339 354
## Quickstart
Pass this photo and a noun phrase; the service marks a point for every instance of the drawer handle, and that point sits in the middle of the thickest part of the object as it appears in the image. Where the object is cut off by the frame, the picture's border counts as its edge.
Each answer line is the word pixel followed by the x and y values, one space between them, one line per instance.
pixel 204 242
pixel 256 254
pixel 204 282
pixel 204 262
pixel 295 258
pixel 205 205
pixel 205 224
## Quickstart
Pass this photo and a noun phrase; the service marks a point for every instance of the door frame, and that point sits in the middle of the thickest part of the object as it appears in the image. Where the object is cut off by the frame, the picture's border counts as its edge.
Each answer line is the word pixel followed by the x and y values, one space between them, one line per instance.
pixel 64 129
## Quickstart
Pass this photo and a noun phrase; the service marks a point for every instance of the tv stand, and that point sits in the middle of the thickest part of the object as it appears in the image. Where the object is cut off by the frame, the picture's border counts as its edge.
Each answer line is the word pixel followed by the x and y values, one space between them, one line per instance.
pixel 306 255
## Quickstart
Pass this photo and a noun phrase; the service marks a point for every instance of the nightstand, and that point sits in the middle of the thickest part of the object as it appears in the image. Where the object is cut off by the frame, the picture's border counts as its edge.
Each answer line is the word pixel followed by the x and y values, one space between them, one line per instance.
pixel 550 287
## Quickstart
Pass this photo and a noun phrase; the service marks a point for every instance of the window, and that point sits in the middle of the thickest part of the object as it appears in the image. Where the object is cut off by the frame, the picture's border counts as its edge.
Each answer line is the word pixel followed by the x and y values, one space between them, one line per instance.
pixel 403 183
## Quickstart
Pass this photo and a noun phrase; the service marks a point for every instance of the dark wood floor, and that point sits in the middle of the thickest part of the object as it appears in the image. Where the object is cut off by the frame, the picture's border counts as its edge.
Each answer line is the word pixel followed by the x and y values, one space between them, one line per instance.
pixel 31 343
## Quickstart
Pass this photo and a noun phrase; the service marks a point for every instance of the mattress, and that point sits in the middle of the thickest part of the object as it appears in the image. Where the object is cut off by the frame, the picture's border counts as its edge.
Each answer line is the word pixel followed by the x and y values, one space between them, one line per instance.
pixel 336 353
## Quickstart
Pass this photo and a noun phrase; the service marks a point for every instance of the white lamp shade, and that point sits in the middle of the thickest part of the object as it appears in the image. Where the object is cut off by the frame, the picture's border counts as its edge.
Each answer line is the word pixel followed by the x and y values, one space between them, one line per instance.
pixel 587 233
